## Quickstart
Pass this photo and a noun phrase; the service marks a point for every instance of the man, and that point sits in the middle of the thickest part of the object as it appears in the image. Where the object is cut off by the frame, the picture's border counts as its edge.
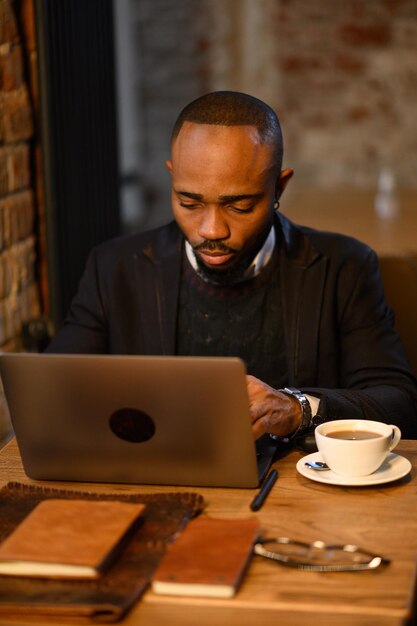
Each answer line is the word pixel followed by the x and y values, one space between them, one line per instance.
pixel 230 276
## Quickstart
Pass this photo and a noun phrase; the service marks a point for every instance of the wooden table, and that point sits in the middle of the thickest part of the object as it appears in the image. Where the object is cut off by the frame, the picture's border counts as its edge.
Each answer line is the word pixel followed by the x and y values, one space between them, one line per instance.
pixel 379 518
pixel 351 211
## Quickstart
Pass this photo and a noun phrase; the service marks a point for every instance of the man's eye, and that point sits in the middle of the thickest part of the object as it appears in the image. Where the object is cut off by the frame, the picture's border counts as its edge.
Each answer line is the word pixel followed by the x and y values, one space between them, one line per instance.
pixel 188 205
pixel 242 209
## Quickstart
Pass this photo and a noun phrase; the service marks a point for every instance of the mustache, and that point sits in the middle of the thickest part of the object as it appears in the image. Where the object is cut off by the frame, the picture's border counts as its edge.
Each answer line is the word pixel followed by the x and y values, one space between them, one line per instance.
pixel 214 246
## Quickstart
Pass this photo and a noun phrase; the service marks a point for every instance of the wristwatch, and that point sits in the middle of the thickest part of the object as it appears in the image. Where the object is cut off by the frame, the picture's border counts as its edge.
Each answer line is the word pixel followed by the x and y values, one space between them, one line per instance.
pixel 308 422
pixel 306 418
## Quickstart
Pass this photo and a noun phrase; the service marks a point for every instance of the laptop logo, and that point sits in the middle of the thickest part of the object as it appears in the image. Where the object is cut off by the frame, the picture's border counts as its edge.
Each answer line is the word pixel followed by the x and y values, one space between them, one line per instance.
pixel 132 425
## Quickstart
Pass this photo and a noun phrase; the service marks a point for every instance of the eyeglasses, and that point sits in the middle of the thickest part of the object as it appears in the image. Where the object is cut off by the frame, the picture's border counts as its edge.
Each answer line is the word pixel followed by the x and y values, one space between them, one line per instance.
pixel 317 556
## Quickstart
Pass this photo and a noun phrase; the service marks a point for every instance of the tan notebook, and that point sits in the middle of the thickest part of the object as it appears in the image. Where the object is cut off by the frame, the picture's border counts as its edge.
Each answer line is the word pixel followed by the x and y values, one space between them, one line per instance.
pixel 208 558
pixel 110 596
pixel 69 538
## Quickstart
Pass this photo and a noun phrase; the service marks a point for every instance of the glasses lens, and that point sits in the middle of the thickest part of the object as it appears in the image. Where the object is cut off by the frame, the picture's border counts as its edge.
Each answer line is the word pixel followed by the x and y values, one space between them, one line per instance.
pixel 317 555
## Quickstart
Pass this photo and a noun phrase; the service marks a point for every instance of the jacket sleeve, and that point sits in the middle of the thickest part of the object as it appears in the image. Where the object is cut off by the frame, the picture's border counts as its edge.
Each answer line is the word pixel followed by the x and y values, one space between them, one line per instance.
pixel 85 327
pixel 375 380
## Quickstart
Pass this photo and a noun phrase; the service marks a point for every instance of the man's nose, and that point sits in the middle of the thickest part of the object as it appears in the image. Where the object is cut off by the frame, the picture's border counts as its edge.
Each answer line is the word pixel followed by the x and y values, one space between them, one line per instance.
pixel 213 224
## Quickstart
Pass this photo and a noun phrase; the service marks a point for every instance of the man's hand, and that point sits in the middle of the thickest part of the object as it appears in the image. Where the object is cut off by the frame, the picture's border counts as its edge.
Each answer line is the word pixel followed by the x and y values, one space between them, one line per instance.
pixel 272 412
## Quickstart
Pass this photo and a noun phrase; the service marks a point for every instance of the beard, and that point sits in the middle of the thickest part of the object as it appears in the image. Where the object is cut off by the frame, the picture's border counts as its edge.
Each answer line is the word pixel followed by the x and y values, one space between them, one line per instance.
pixel 235 272
pixel 225 275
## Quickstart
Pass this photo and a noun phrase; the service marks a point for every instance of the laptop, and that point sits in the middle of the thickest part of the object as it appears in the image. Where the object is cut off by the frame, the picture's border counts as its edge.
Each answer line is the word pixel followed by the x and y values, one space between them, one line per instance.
pixel 163 420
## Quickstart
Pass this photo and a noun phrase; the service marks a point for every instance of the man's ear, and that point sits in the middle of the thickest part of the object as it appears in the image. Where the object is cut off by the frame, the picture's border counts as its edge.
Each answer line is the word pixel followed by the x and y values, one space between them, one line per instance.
pixel 283 180
pixel 169 165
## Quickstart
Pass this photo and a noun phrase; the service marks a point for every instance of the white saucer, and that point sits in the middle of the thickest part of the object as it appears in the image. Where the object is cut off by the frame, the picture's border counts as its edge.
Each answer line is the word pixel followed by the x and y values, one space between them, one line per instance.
pixel 394 467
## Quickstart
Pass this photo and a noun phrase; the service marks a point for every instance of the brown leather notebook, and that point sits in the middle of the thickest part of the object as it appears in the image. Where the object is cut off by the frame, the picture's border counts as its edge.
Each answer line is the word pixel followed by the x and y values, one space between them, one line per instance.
pixel 69 538
pixel 109 597
pixel 208 558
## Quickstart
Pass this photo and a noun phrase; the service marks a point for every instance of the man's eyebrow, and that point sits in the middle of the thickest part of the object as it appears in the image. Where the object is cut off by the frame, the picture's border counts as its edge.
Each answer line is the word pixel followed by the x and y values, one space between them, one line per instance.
pixel 243 196
pixel 223 199
pixel 189 194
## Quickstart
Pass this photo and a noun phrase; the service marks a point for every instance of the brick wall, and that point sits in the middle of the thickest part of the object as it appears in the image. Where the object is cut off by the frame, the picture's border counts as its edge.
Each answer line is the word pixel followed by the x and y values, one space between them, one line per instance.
pixel 347 89
pixel 342 74
pixel 19 297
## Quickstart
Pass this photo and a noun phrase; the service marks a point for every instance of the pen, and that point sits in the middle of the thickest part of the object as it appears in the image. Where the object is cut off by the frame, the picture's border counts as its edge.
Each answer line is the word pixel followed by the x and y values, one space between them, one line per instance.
pixel 260 497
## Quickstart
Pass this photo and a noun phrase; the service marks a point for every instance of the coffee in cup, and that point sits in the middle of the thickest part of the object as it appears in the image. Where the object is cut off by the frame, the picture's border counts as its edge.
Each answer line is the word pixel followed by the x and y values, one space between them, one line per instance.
pixel 355 447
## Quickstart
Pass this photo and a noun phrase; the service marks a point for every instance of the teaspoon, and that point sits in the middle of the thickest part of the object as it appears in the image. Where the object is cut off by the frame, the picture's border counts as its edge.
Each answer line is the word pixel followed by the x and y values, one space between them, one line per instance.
pixel 317 465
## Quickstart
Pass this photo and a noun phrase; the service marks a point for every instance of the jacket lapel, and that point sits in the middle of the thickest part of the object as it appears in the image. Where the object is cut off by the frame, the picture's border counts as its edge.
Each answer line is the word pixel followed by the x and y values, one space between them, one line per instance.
pixel 303 272
pixel 159 269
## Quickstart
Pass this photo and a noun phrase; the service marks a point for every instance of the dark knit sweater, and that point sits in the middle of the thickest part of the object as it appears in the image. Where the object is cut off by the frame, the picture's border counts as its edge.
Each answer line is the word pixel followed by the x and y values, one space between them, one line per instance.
pixel 243 320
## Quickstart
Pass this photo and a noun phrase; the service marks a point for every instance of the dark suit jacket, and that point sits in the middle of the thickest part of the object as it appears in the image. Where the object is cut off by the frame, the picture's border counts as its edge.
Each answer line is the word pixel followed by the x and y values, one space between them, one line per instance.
pixel 340 340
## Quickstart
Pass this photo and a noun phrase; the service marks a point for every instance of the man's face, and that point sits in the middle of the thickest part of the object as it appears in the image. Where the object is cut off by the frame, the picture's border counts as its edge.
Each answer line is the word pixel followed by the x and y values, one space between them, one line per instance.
pixel 223 194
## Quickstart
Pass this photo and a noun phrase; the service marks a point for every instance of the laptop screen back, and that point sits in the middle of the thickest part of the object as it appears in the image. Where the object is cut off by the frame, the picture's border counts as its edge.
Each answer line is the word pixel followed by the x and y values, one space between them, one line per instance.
pixel 133 419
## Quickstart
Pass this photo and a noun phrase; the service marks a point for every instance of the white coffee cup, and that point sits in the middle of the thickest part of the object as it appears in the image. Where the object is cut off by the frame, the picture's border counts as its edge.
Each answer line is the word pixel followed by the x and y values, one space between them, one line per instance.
pixel 359 456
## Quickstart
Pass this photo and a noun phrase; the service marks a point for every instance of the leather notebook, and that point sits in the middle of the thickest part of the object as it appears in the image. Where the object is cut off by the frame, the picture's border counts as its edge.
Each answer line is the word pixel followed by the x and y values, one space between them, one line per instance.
pixel 208 558
pixel 69 538
pixel 109 597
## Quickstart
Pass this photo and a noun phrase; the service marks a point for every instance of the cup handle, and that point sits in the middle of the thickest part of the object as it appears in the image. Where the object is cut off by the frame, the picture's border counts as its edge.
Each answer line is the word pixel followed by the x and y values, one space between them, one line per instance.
pixel 396 436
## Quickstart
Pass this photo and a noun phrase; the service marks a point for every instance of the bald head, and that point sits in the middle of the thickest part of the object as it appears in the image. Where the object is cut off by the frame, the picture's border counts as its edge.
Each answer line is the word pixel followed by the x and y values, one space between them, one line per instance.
pixel 232 108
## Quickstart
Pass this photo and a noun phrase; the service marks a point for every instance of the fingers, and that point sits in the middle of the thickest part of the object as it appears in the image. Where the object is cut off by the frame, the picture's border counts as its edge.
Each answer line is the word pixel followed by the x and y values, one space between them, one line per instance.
pixel 258 429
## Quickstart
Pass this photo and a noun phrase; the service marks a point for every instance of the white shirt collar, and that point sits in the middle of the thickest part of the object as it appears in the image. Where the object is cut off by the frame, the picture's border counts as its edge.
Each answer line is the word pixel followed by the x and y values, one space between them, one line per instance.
pixel 258 263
